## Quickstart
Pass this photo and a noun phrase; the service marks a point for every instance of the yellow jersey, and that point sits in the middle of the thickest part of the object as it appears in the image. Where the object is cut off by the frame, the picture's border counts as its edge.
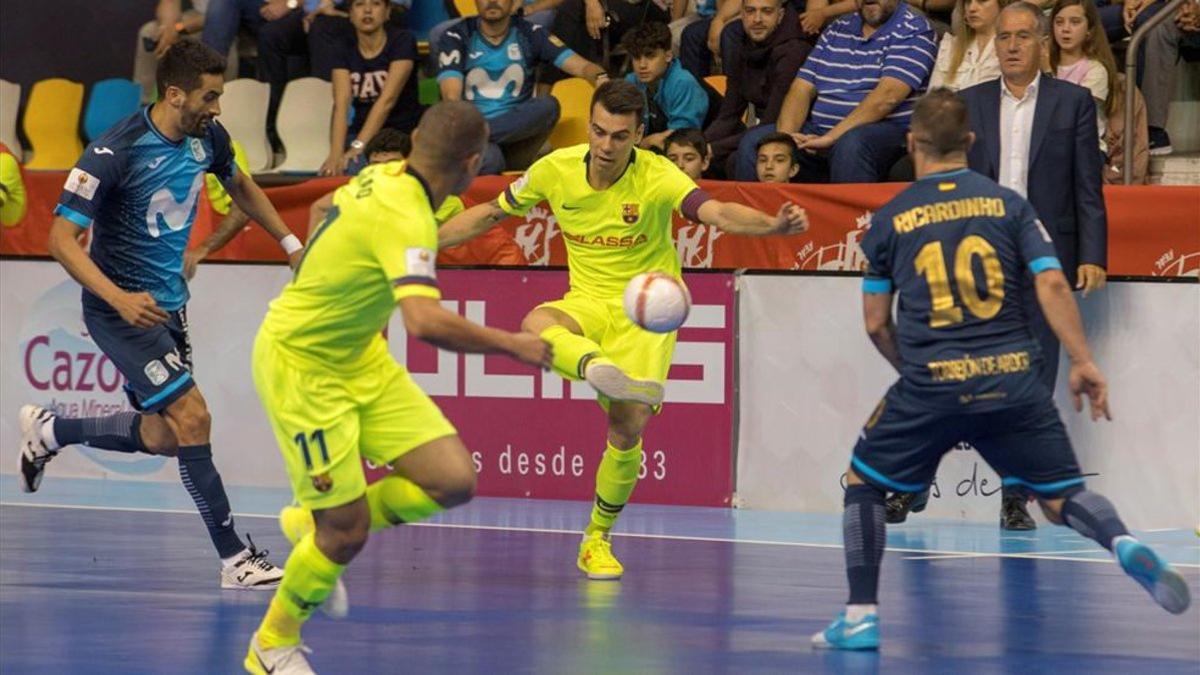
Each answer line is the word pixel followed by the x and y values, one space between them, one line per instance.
pixel 611 235
pixel 377 244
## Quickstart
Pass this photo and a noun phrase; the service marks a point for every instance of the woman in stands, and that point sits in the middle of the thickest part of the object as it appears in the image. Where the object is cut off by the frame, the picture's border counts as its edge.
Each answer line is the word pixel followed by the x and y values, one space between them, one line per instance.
pixel 967 56
pixel 373 80
pixel 1080 54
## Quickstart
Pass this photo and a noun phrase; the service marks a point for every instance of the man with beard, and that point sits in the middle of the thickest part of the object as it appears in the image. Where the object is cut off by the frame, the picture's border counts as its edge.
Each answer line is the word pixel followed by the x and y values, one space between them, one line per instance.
pixel 139 184
pixel 764 64
pixel 850 103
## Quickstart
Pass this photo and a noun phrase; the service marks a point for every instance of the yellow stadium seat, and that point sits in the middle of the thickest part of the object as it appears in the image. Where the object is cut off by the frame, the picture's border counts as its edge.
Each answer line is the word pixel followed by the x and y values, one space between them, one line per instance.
pixel 718 82
pixel 574 96
pixel 52 124
pixel 466 7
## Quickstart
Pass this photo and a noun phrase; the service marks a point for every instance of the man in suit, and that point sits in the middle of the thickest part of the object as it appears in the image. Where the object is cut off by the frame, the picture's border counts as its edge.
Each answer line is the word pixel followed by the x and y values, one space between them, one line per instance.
pixel 1038 136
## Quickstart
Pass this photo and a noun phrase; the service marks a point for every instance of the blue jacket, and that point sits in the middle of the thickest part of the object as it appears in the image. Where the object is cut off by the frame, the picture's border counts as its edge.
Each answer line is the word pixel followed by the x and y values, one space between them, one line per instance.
pixel 679 96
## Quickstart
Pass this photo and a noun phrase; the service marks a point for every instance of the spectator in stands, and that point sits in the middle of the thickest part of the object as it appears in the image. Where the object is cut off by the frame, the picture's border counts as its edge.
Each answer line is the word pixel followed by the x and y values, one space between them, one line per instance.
pixel 583 24
pixel 491 60
pixel 689 36
pixel 1163 46
pixel 537 12
pixel 224 18
pixel 689 151
pixel 674 99
pixel 374 76
pixel 778 158
pixel 12 188
pixel 171 24
pixel 1038 136
pixel 388 145
pixel 1079 54
pixel 816 14
pixel 967 56
pixel 759 72
pixel 849 106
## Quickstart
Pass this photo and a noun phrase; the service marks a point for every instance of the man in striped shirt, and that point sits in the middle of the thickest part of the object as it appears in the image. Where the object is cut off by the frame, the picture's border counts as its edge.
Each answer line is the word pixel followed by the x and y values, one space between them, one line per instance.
pixel 850 104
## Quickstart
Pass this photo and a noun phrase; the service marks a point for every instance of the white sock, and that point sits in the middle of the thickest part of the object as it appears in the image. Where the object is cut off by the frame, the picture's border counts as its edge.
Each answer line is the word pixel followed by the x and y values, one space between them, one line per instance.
pixel 234 559
pixel 48 435
pixel 856 613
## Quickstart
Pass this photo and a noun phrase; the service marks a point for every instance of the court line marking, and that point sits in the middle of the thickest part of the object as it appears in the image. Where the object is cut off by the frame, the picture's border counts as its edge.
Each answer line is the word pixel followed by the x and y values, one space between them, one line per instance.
pixel 1052 555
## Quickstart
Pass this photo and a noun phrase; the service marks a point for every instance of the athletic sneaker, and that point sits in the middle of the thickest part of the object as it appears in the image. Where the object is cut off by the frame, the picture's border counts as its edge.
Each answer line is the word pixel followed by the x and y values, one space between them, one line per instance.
pixel 900 504
pixel 608 379
pixel 1160 142
pixel 34 453
pixel 1168 587
pixel 279 661
pixel 596 558
pixel 842 634
pixel 251 572
pixel 296 522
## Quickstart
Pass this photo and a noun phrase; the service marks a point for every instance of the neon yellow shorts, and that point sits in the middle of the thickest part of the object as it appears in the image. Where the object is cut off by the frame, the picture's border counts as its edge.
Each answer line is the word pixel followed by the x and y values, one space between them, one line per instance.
pixel 637 351
pixel 325 421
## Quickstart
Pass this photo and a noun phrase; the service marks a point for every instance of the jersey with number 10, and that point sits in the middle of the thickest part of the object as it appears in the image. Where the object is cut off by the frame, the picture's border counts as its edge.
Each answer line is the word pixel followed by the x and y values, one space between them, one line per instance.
pixel 958 249
pixel 611 235
pixel 141 190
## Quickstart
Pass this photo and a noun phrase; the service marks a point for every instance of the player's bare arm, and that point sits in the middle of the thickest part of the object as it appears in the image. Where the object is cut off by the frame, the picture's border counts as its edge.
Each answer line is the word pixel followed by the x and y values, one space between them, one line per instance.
pixel 738 219
pixel 470 224
pixel 139 309
pixel 250 198
pixel 881 326
pixel 230 225
pixel 426 319
pixel 1054 296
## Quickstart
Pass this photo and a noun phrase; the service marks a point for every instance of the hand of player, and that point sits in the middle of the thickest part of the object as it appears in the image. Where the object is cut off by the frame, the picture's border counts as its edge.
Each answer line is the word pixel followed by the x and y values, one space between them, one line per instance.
pixel 1086 379
pixel 191 260
pixel 1090 278
pixel 812 21
pixel 532 350
pixel 791 219
pixel 294 259
pixel 597 20
pixel 140 309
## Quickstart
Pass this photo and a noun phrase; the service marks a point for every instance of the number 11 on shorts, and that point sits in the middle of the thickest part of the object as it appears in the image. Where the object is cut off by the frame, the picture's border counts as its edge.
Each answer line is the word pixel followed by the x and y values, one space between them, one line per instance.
pixel 318 439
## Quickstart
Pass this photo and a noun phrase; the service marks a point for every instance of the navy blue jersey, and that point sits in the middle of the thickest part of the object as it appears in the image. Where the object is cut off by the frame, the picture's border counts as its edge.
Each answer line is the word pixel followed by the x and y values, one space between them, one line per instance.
pixel 141 191
pixel 958 249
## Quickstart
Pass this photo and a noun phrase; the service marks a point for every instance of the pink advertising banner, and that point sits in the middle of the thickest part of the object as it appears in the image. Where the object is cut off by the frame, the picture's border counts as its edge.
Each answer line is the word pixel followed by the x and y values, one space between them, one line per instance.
pixel 535 435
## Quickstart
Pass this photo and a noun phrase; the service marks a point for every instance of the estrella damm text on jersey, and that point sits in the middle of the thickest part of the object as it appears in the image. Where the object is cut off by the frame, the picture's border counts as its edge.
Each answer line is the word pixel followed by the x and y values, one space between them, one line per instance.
pixel 611 235
pixel 958 249
pixel 377 244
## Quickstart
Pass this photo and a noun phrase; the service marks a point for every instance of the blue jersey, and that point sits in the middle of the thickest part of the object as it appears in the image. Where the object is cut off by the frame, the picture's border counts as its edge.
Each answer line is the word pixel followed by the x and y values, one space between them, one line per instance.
pixel 141 191
pixel 958 249
pixel 497 77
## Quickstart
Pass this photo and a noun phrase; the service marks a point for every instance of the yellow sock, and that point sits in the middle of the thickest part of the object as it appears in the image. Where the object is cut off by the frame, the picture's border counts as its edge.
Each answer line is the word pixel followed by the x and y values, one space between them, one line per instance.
pixel 615 480
pixel 569 350
pixel 308 578
pixel 296 521
pixel 396 500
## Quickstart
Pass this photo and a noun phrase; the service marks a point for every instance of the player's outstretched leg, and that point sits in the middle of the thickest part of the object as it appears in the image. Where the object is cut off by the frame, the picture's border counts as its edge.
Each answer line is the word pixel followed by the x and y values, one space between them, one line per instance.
pixel 615 480
pixel 1093 516
pixel 864 532
pixel 43 434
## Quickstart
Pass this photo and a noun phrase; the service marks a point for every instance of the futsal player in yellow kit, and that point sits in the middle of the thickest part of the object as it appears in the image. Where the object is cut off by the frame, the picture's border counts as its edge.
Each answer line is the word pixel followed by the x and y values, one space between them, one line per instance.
pixel 613 203
pixel 332 391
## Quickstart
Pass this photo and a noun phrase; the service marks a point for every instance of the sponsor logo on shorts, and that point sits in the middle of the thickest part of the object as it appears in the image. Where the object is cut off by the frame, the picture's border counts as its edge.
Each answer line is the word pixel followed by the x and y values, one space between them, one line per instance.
pixel 156 372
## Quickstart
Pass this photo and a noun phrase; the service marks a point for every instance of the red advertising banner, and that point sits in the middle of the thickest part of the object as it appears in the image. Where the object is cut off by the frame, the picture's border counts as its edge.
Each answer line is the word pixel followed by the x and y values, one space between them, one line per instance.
pixel 1153 230
pixel 533 434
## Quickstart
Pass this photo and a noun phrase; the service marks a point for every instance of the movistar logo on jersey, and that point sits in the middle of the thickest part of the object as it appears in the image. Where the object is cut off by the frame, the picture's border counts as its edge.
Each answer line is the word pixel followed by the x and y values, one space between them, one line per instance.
pixel 599 241
pixel 165 212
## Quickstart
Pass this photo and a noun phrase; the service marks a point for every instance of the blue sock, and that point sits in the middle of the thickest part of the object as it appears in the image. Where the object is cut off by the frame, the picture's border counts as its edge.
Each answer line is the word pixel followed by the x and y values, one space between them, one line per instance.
pixel 864 533
pixel 204 484
pixel 120 432
pixel 1093 516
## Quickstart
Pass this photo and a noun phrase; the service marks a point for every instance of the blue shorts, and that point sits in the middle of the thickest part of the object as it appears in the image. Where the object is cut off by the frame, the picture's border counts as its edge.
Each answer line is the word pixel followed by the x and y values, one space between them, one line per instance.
pixel 1027 445
pixel 156 362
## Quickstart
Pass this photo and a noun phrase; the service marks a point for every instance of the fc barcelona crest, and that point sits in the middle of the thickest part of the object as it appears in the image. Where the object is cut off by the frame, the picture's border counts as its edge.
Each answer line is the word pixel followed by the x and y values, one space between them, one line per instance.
pixel 629 213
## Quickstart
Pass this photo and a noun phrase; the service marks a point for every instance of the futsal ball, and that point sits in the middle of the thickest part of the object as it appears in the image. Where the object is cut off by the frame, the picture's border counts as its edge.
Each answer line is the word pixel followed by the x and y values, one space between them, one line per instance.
pixel 657 302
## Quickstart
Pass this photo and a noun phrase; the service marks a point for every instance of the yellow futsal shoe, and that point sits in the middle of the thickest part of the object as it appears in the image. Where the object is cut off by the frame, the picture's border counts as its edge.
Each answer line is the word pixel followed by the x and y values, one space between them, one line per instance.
pixel 596 559
pixel 296 522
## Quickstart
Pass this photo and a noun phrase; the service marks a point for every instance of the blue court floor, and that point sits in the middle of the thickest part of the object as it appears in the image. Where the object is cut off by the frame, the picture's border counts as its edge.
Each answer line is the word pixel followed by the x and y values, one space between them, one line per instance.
pixel 119 577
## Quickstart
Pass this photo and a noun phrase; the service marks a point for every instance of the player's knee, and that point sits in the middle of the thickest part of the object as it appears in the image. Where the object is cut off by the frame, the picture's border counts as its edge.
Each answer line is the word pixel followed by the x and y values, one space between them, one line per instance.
pixel 191 418
pixel 626 421
pixel 456 488
pixel 343 532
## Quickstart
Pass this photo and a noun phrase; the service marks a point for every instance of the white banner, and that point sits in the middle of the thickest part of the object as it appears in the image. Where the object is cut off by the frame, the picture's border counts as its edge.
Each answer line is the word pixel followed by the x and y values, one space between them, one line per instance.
pixel 810 378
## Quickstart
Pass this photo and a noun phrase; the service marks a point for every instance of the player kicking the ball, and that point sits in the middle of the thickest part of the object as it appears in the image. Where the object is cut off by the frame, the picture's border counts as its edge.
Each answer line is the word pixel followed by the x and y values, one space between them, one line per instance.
pixel 613 202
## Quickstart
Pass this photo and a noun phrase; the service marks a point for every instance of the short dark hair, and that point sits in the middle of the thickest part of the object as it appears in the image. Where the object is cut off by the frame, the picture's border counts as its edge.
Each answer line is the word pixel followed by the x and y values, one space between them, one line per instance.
pixel 692 137
pixel 184 63
pixel 779 137
pixel 619 97
pixel 646 38
pixel 389 140
pixel 939 123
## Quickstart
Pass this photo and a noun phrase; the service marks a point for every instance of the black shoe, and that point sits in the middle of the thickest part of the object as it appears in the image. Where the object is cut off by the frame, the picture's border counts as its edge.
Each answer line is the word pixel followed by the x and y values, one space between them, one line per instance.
pixel 1014 516
pixel 1160 142
pixel 901 503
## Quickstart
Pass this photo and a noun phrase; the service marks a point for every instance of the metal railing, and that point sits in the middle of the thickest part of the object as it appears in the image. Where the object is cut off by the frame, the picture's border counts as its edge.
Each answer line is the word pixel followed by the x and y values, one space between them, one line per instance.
pixel 1131 59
